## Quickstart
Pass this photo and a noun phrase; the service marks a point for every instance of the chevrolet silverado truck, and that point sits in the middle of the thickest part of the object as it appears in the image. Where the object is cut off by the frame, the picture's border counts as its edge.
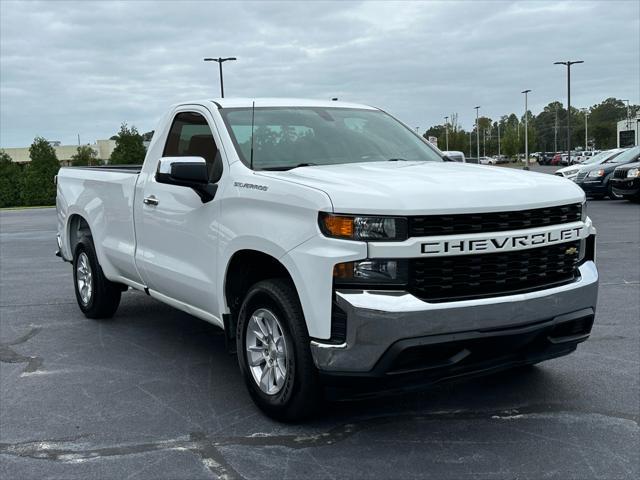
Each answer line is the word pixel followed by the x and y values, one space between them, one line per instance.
pixel 335 247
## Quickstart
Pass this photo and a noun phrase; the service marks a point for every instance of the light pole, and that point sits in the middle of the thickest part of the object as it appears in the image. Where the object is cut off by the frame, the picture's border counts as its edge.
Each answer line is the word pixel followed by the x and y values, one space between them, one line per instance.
pixel 526 127
pixel 446 131
pixel 568 63
pixel 477 134
pixel 498 138
pixel 586 128
pixel 220 61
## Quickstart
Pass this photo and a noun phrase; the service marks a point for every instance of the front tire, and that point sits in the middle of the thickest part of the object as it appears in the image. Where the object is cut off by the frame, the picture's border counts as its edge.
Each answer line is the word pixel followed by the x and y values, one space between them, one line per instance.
pixel 97 296
pixel 273 351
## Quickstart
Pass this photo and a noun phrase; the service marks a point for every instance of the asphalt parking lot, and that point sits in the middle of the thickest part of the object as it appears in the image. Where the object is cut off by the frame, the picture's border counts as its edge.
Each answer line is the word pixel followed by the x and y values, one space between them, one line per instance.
pixel 152 393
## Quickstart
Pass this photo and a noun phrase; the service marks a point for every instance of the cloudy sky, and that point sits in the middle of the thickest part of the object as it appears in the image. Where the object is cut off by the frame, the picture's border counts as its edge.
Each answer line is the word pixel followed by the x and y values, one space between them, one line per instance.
pixel 85 67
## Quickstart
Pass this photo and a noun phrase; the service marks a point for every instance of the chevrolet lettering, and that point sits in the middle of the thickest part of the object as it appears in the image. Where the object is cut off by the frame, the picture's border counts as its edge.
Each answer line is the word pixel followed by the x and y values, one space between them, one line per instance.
pixel 315 235
pixel 502 242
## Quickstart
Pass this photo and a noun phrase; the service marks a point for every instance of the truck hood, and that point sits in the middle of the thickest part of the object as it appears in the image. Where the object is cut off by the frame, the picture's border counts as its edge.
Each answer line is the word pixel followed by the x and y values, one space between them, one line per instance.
pixel 414 188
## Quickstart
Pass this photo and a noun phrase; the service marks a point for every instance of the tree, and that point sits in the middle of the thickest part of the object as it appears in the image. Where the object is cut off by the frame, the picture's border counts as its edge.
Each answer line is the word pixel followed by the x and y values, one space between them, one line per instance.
pixel 604 120
pixel 85 156
pixel 39 187
pixel 10 181
pixel 129 148
pixel 510 141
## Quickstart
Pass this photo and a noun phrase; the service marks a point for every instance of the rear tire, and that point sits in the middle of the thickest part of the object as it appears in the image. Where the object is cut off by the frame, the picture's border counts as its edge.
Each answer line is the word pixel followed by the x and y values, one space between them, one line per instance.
pixel 97 296
pixel 273 352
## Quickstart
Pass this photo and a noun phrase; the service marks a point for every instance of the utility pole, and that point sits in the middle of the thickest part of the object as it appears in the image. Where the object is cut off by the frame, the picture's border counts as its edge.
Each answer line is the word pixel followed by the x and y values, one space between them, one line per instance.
pixel 477 134
pixel 586 128
pixel 446 130
pixel 484 143
pixel 555 133
pixel 469 144
pixel 498 138
pixel 628 117
pixel 526 128
pixel 568 64
pixel 220 61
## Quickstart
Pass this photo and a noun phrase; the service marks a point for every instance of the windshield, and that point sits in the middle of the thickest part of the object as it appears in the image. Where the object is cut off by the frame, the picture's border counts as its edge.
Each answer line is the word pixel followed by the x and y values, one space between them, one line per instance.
pixel 602 156
pixel 626 156
pixel 285 138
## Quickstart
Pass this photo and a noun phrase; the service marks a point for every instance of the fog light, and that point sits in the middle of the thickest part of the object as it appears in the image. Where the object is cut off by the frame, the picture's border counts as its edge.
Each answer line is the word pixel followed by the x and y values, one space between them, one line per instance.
pixel 371 272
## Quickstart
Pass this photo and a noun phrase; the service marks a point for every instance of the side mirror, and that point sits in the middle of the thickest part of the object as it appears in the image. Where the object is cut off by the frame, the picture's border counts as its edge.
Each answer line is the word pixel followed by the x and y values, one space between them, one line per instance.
pixel 190 172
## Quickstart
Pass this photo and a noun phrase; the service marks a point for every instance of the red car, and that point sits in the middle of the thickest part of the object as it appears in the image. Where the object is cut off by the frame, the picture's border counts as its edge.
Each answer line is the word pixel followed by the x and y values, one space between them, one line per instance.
pixel 556 159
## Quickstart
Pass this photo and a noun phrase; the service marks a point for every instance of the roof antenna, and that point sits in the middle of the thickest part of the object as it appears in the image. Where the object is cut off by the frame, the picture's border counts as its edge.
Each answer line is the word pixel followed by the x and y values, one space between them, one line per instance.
pixel 253 113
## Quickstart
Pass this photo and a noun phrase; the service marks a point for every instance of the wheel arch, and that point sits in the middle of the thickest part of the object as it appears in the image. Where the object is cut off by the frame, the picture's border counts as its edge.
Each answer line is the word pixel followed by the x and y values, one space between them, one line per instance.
pixel 245 268
pixel 77 228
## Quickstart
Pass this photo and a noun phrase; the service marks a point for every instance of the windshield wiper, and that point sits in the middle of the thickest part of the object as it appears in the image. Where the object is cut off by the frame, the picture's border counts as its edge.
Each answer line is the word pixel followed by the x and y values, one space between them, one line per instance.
pixel 397 160
pixel 289 167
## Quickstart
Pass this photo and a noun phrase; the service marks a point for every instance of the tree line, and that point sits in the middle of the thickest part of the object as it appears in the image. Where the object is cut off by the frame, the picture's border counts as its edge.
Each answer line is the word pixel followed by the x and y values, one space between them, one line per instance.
pixel 547 131
pixel 32 184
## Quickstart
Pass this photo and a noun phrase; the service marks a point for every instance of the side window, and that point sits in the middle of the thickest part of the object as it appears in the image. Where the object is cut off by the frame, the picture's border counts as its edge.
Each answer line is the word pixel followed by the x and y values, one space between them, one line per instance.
pixel 190 136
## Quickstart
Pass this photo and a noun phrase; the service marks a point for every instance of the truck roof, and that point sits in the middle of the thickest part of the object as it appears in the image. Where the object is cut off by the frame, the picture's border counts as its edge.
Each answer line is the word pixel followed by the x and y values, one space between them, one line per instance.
pixel 284 102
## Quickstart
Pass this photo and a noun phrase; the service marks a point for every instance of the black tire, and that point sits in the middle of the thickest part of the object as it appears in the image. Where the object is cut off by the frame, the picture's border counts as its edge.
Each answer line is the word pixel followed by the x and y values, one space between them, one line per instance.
pixel 105 295
pixel 299 396
pixel 611 194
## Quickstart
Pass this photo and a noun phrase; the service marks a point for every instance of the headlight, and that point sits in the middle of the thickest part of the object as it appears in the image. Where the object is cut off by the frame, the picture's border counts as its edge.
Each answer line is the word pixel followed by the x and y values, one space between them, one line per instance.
pixel 363 228
pixel 377 273
pixel 596 173
pixel 633 172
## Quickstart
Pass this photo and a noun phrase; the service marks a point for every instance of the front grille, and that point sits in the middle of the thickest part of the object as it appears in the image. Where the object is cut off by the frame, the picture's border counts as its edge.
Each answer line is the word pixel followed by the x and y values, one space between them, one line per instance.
pixel 581 176
pixel 429 225
pixel 619 173
pixel 464 277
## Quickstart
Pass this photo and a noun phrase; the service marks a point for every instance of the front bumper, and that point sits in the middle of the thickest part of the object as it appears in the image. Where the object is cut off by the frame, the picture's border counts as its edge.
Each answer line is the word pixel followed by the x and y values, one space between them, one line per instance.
pixel 593 187
pixel 627 187
pixel 383 325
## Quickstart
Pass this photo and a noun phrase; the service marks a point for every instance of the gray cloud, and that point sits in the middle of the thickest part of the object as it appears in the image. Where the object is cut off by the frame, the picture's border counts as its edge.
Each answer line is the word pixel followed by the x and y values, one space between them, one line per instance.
pixel 84 67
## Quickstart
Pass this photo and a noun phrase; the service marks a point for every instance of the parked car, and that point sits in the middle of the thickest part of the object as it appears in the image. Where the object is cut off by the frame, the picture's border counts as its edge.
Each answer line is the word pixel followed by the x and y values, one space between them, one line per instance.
pixel 626 181
pixel 582 157
pixel 571 171
pixel 333 246
pixel 557 159
pixel 545 158
pixel 487 161
pixel 595 179
pixel 455 155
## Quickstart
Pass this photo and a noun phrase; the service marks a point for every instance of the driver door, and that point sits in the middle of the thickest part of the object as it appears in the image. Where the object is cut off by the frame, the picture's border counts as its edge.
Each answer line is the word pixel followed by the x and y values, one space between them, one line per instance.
pixel 176 250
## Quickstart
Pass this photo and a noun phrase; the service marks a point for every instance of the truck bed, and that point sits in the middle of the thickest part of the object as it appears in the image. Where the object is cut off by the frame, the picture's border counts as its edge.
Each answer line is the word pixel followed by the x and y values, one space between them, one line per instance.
pixel 112 168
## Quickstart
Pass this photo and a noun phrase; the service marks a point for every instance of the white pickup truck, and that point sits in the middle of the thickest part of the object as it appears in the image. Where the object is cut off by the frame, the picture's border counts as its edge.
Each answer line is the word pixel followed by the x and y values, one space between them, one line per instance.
pixel 335 247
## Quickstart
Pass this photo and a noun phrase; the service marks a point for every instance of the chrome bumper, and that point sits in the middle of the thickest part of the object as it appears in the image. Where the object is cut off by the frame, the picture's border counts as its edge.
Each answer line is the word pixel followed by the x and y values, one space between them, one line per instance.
pixel 378 319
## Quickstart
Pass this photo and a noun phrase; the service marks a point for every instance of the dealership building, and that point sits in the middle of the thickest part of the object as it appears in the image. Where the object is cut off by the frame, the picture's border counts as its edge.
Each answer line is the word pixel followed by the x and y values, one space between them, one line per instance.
pixel 103 149
pixel 628 132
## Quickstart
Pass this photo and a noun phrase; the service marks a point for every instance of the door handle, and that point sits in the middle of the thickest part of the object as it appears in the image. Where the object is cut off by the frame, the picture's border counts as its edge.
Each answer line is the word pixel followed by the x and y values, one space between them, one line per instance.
pixel 150 200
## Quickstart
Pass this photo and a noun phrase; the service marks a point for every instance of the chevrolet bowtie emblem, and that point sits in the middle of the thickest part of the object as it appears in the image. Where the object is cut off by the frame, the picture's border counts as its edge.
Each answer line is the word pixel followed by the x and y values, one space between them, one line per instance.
pixel 571 251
